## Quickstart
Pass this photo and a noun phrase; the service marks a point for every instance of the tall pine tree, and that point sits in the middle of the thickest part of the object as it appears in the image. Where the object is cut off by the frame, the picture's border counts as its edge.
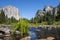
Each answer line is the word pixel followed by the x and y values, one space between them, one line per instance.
pixel 2 17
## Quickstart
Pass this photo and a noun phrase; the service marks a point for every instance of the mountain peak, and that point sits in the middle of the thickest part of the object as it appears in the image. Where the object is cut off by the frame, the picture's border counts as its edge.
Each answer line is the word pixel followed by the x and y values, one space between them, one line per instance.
pixel 11 11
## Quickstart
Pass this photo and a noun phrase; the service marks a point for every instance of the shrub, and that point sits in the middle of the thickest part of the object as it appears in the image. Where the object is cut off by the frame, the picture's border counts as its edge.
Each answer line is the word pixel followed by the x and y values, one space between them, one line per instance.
pixel 22 27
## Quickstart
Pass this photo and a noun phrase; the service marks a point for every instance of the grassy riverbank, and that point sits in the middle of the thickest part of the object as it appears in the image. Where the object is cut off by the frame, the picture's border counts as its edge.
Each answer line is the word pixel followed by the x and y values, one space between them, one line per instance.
pixel 44 23
pixel 35 24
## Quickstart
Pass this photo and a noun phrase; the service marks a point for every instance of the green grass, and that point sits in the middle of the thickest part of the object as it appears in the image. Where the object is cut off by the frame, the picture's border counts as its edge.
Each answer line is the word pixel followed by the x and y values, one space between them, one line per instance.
pixel 56 23
pixel 35 24
pixel 44 23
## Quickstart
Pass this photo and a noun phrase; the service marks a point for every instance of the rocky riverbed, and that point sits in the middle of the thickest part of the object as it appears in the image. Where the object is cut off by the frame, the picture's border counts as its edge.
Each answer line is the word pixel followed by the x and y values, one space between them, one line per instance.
pixel 48 38
pixel 5 33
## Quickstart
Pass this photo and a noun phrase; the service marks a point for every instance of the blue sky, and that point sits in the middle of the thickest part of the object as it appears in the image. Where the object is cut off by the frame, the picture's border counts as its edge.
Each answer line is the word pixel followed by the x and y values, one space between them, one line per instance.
pixel 28 8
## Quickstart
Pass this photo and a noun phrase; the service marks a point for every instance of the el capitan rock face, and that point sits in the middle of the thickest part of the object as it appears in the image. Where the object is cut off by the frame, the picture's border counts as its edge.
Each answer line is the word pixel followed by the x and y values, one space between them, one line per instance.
pixel 11 11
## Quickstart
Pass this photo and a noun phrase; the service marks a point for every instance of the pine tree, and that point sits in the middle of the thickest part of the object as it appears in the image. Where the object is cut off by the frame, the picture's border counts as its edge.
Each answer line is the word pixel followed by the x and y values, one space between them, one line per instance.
pixel 2 17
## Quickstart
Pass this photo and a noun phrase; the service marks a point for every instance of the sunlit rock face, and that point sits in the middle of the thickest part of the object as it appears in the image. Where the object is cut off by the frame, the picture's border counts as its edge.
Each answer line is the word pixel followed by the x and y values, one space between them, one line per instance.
pixel 40 13
pixel 48 8
pixel 51 10
pixel 11 11
pixel 56 11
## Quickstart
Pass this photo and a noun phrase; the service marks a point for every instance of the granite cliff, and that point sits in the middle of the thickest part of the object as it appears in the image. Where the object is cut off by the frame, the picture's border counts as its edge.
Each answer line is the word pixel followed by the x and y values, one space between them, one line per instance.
pixel 11 11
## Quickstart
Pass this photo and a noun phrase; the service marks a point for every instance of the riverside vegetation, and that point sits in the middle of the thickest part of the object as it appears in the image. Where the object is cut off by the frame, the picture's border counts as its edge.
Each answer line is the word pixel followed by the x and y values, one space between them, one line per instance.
pixel 22 24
